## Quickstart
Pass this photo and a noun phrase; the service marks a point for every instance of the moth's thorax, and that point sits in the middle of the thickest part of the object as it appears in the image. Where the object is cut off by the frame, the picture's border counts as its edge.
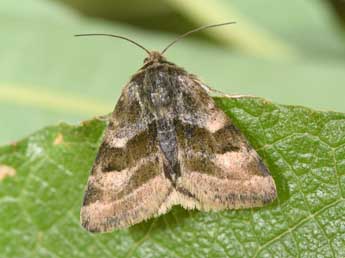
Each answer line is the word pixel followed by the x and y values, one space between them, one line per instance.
pixel 159 90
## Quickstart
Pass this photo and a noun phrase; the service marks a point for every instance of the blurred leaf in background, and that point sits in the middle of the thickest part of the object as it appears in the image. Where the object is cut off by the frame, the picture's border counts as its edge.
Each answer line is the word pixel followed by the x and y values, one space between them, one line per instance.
pixel 289 52
pixel 339 9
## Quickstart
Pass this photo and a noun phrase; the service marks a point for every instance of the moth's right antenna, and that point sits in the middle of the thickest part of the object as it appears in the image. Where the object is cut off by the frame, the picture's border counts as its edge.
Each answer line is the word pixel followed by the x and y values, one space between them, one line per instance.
pixel 195 30
pixel 115 36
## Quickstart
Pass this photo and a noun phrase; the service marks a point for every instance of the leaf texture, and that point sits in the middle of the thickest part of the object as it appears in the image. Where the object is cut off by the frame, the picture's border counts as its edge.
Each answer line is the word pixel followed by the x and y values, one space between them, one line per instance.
pixel 303 148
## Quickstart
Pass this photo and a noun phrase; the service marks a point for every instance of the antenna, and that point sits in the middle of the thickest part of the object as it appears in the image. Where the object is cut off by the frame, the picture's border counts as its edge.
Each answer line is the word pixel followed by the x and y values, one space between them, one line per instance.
pixel 192 31
pixel 115 36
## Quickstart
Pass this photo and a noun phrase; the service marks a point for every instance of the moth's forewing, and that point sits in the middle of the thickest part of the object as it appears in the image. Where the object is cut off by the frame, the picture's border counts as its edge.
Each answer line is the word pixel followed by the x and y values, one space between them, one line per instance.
pixel 219 168
pixel 127 184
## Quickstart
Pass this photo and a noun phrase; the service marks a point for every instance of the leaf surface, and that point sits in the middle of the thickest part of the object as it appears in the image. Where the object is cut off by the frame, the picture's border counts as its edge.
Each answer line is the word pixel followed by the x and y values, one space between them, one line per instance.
pixel 304 150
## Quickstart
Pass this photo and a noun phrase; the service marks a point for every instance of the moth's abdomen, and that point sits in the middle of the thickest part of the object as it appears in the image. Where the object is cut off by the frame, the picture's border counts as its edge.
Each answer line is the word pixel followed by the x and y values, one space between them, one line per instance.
pixel 166 136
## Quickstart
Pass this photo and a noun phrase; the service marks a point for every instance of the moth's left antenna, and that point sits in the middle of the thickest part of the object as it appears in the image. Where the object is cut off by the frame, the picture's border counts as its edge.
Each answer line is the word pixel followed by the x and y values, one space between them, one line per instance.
pixel 115 36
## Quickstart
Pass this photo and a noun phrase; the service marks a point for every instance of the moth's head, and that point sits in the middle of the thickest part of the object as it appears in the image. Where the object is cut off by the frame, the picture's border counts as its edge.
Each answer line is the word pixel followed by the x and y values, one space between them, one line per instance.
pixel 154 57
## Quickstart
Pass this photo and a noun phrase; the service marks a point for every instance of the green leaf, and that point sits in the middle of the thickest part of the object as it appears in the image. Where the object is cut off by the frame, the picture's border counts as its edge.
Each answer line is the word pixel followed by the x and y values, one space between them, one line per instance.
pixel 304 150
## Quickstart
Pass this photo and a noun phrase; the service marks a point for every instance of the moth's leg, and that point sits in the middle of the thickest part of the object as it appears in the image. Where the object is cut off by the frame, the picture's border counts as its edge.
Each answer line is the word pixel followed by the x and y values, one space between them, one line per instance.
pixel 186 192
pixel 104 118
pixel 222 94
pixel 238 96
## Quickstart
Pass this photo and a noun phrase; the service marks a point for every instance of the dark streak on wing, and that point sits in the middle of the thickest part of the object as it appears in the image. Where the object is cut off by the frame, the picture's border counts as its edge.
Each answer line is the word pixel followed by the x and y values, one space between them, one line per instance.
pixel 92 194
pixel 263 168
pixel 131 212
pixel 232 198
pixel 201 147
pixel 117 159
pixel 201 140
pixel 128 110
pixel 140 176
pixel 185 192
pixel 228 139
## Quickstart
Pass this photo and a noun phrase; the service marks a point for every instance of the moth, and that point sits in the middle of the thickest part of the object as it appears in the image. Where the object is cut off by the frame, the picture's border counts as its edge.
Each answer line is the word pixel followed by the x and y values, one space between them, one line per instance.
pixel 167 144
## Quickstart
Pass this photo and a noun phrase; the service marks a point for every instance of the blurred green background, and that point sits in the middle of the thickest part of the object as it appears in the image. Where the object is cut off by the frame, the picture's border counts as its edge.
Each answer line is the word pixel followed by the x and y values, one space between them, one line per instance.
pixel 290 52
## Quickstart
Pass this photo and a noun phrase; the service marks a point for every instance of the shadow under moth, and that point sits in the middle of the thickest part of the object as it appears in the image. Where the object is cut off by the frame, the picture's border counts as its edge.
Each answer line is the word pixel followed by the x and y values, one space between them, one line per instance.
pixel 168 144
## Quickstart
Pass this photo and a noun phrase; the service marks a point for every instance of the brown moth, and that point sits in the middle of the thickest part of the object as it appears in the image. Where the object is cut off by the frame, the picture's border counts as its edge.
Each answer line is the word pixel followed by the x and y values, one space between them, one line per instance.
pixel 167 144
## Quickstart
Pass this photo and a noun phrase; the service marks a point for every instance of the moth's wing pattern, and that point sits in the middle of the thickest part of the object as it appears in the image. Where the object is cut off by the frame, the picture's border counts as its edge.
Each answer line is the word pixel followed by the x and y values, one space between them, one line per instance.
pixel 219 168
pixel 127 184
